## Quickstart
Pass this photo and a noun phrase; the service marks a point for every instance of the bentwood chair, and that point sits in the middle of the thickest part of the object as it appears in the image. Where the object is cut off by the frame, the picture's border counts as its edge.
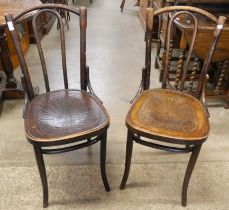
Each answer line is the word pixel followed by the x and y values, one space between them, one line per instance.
pixel 175 119
pixel 64 14
pixel 68 119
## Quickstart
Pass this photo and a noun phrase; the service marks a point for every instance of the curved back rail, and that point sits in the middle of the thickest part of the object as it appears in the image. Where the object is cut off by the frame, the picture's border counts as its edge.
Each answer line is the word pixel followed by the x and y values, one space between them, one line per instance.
pixel 32 14
pixel 187 15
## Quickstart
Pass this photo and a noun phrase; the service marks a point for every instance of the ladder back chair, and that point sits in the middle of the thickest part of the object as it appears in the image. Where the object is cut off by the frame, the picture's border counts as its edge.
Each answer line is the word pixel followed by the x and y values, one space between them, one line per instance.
pixel 175 119
pixel 67 119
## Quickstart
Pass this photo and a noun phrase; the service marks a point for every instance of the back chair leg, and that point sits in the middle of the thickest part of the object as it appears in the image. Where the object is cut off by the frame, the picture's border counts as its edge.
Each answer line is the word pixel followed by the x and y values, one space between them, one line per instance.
pixel 129 149
pixel 42 171
pixel 189 170
pixel 122 5
pixel 137 3
pixel 103 145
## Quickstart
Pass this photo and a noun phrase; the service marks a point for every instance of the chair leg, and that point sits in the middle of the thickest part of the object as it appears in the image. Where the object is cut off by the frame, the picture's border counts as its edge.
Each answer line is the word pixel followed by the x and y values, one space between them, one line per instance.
pixel 189 170
pixel 103 144
pixel 66 21
pixel 137 3
pixel 41 168
pixel 122 5
pixel 129 149
pixel 226 105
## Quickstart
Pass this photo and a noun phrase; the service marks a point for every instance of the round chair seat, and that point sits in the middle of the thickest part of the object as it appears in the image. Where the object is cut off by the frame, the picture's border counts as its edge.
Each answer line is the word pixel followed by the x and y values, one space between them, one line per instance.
pixel 64 114
pixel 168 115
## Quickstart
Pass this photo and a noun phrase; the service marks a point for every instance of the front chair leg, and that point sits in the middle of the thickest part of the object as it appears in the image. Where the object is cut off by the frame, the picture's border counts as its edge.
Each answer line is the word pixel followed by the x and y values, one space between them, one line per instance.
pixel 189 170
pixel 103 144
pixel 137 3
pixel 122 5
pixel 41 168
pixel 129 149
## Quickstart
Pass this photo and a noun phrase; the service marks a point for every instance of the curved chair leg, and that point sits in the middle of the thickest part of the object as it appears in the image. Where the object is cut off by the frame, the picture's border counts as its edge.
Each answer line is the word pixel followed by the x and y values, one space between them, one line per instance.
pixel 41 168
pixel 129 149
pixel 189 170
pixel 122 5
pixel 103 143
pixel 137 3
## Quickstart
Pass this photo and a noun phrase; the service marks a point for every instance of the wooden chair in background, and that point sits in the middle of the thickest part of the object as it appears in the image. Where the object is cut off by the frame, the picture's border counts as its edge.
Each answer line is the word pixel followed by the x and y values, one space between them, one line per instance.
pixel 62 117
pixel 170 115
pixel 63 13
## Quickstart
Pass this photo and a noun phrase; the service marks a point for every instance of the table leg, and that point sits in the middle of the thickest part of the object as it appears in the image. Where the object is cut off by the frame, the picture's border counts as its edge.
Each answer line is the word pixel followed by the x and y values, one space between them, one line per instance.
pixel 10 88
pixel 6 62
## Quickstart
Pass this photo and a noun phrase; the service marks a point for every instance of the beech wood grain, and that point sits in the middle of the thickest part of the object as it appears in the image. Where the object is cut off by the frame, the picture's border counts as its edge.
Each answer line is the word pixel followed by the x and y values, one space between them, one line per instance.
pixel 170 114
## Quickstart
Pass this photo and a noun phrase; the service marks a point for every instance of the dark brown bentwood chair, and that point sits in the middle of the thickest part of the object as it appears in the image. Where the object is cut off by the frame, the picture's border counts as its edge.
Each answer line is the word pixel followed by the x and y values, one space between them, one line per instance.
pixel 169 114
pixel 61 117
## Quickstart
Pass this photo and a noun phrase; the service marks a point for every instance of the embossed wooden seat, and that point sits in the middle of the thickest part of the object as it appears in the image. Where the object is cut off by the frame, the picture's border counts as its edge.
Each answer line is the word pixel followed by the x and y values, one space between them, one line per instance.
pixel 66 119
pixel 64 114
pixel 169 114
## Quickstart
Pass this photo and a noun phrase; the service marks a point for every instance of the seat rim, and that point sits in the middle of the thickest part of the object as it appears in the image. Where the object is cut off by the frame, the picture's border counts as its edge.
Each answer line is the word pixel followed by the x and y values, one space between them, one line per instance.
pixel 73 137
pixel 166 138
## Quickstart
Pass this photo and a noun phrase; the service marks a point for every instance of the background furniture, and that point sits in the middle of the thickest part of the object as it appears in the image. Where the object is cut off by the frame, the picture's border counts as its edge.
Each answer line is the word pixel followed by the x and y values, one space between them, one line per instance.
pixel 44 24
pixel 144 4
pixel 219 69
pixel 123 4
pixel 9 87
pixel 176 120
pixel 62 117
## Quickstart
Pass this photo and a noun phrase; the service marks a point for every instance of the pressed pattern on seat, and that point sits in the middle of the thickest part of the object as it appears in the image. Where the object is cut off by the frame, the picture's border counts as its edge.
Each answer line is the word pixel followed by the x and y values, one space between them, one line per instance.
pixel 168 113
pixel 64 114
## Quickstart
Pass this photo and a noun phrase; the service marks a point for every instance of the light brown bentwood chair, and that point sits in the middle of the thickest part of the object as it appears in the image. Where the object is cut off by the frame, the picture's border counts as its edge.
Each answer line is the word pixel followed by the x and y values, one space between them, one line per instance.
pixel 168 114
pixel 62 117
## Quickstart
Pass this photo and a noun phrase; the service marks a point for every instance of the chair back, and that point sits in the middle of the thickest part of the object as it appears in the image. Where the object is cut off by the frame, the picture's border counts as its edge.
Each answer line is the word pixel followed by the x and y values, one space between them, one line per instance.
pixel 32 14
pixel 189 72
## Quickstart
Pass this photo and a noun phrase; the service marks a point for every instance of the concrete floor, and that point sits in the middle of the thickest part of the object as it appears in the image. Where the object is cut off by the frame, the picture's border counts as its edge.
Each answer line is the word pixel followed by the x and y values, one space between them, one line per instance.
pixel 115 54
